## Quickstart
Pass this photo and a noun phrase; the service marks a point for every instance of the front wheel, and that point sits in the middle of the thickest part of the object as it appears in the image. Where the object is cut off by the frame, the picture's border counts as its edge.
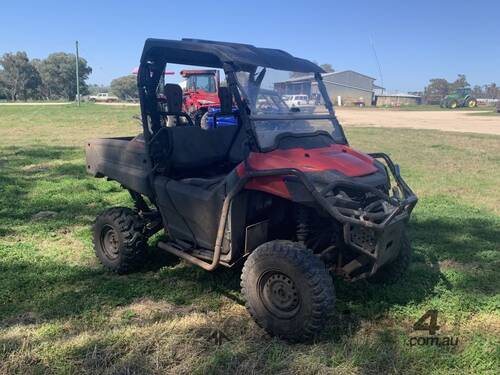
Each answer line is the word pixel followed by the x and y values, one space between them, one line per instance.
pixel 288 290
pixel 452 104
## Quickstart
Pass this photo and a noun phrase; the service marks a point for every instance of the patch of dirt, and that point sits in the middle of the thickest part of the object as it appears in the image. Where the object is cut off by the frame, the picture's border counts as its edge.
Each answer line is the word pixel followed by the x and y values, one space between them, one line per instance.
pixel 22 319
pixel 456 121
pixel 146 311
pixel 36 168
pixel 452 264
pixel 484 323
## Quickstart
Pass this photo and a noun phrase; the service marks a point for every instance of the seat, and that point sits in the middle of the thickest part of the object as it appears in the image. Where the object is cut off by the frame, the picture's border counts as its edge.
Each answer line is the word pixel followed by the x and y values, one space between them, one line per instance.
pixel 190 151
pixel 204 183
pixel 173 97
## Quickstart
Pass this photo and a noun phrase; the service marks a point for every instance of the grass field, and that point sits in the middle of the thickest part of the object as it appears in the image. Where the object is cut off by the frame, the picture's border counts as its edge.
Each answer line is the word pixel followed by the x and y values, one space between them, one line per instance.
pixel 61 313
pixel 435 107
pixel 490 112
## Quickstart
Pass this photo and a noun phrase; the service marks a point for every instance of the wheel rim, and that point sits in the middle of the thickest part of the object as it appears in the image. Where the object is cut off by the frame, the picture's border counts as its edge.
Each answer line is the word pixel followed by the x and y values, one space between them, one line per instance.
pixel 453 105
pixel 472 104
pixel 279 294
pixel 109 242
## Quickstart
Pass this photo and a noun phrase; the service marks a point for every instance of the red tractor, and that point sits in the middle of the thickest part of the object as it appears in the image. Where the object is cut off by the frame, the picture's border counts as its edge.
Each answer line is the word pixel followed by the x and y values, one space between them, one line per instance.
pixel 200 92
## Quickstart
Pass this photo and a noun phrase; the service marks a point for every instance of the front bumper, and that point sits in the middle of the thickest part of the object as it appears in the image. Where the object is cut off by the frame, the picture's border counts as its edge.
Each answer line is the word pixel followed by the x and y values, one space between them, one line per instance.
pixel 377 235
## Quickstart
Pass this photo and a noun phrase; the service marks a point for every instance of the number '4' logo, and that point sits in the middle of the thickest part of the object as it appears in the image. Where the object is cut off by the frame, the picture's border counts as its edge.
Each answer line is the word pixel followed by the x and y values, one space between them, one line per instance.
pixel 432 326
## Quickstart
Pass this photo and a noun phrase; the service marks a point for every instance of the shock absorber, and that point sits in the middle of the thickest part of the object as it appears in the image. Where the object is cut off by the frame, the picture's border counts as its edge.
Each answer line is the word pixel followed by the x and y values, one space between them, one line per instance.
pixel 302 220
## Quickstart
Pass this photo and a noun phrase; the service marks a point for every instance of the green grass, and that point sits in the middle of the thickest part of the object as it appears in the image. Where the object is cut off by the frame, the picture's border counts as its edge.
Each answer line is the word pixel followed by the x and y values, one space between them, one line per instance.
pixel 486 113
pixel 61 313
pixel 432 107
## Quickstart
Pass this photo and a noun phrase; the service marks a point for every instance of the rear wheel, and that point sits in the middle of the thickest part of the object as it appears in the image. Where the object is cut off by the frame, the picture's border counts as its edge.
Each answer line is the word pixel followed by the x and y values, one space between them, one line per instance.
pixel 471 103
pixel 288 290
pixel 392 272
pixel 198 116
pixel 119 242
pixel 204 121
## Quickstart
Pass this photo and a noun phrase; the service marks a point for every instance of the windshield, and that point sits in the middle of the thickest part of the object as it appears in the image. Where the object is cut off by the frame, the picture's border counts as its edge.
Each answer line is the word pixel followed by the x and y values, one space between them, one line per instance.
pixel 203 82
pixel 268 91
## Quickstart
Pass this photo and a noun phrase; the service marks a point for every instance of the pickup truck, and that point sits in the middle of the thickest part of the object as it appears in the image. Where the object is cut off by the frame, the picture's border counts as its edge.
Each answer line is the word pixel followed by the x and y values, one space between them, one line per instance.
pixel 299 101
pixel 103 97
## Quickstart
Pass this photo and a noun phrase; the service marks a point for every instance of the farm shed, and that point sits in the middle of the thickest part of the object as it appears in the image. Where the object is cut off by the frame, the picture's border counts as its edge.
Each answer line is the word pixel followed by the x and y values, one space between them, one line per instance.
pixel 397 100
pixel 344 87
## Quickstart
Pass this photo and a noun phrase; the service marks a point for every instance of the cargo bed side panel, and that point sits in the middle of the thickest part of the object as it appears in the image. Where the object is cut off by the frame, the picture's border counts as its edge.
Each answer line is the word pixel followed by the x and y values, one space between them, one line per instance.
pixel 120 159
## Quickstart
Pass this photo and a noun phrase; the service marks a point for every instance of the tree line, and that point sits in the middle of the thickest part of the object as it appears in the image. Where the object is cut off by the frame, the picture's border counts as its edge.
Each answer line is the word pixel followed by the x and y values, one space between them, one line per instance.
pixel 42 79
pixel 440 87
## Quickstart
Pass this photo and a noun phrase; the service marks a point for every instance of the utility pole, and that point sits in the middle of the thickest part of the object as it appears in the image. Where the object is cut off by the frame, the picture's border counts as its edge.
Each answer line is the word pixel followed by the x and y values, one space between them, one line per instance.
pixel 77 76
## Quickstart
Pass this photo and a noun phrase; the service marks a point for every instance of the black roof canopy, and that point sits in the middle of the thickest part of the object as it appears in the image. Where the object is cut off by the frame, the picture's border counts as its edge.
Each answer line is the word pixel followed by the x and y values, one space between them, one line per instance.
pixel 214 54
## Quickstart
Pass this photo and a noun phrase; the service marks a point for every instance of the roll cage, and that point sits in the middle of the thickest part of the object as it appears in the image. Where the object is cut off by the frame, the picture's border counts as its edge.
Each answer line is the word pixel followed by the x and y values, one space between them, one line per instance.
pixel 231 57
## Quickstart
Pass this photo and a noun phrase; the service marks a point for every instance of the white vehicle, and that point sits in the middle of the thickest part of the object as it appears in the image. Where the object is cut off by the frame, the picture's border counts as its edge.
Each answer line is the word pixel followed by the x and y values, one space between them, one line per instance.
pixel 299 101
pixel 103 97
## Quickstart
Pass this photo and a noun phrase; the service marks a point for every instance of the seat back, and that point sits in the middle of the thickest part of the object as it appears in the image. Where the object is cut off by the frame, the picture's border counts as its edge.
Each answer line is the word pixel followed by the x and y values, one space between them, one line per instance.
pixel 173 95
pixel 225 101
pixel 193 147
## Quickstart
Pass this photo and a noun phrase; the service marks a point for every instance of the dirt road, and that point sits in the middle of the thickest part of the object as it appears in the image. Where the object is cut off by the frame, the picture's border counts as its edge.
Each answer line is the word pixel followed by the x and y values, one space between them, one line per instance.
pixel 457 121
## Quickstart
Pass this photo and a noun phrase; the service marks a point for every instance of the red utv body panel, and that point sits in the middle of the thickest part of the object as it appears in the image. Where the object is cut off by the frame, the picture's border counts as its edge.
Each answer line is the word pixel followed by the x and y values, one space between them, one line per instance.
pixel 340 158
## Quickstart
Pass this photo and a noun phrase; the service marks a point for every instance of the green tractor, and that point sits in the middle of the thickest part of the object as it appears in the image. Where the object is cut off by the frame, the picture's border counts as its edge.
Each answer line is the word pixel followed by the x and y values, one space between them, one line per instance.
pixel 460 98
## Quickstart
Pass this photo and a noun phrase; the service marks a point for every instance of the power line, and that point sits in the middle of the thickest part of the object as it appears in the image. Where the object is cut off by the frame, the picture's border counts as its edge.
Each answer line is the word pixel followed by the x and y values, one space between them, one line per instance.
pixel 378 64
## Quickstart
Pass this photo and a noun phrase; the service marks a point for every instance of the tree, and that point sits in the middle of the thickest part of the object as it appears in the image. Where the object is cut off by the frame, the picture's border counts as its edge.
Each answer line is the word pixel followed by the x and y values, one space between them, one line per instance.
pixel 58 74
pixel 436 90
pixel 3 91
pixel 95 89
pixel 459 83
pixel 477 92
pixel 125 87
pixel 19 78
pixel 491 91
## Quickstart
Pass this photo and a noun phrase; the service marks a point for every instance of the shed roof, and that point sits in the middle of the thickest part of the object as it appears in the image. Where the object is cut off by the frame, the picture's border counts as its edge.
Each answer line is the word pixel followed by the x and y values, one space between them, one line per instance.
pixel 324 75
pixel 215 54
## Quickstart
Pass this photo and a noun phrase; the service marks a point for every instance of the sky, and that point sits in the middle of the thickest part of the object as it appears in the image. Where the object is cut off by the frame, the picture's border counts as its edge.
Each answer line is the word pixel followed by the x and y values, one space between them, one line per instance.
pixel 414 40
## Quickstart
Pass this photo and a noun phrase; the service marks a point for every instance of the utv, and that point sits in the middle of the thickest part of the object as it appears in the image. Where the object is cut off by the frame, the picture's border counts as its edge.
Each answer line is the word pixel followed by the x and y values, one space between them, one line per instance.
pixel 281 191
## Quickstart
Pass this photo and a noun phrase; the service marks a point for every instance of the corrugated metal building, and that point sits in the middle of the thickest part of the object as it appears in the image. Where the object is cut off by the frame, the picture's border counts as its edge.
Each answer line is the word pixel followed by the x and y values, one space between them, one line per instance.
pixel 344 88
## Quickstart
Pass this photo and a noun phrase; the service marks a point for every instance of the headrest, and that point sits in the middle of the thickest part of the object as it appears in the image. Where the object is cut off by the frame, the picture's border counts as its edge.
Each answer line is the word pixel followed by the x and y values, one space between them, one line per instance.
pixel 173 94
pixel 226 101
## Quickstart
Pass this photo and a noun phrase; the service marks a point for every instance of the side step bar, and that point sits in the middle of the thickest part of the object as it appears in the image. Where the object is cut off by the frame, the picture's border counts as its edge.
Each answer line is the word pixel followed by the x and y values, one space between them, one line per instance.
pixel 181 254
